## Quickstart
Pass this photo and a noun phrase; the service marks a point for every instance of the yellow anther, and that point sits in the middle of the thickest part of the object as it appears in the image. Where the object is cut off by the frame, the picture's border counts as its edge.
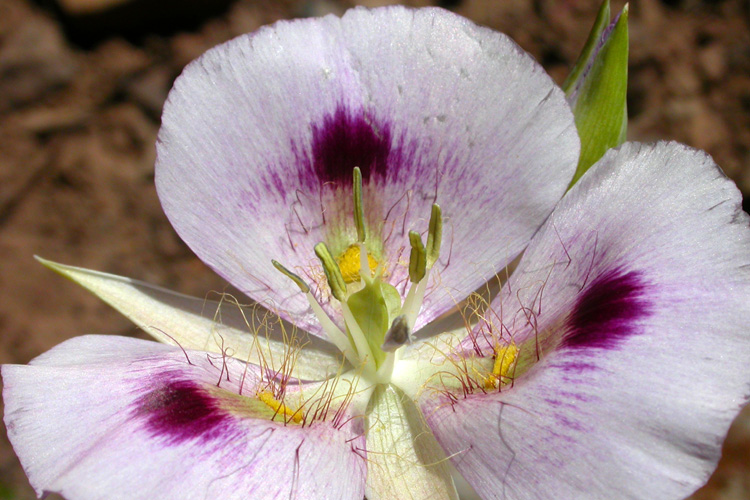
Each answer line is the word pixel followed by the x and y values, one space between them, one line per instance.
pixel 505 360
pixel 350 264
pixel 281 408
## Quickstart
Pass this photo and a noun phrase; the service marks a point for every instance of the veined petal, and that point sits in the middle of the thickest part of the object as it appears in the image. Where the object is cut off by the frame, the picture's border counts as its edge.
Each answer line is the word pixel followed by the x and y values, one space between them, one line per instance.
pixel 637 302
pixel 92 414
pixel 249 333
pixel 260 137
pixel 404 460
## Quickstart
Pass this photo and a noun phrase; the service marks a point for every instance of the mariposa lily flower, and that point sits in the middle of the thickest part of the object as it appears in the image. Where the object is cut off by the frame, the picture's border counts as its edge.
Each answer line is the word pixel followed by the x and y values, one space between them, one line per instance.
pixel 365 181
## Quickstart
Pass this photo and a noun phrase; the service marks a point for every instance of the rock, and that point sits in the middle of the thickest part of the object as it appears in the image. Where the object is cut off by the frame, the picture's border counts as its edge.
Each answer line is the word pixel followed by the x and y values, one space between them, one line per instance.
pixel 81 7
pixel 34 60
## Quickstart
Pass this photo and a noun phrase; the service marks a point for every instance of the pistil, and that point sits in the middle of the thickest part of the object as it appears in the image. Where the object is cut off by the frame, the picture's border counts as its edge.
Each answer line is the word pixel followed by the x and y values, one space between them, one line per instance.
pixel 377 323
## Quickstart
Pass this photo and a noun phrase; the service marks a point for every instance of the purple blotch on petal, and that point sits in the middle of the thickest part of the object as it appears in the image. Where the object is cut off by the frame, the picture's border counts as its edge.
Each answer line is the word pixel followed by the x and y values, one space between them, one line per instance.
pixel 179 411
pixel 346 140
pixel 607 311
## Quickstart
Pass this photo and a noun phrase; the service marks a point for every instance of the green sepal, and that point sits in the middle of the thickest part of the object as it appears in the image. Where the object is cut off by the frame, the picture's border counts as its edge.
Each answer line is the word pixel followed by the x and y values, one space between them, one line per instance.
pixel 597 89
pixel 373 308
pixel 602 20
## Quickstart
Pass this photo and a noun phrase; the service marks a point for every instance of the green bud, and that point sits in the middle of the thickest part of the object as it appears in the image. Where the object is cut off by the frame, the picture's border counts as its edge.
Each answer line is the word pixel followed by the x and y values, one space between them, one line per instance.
pixel 601 22
pixel 597 89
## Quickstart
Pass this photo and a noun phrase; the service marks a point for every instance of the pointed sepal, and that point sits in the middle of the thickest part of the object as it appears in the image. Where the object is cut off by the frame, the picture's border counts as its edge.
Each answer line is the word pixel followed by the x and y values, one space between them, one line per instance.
pixel 597 89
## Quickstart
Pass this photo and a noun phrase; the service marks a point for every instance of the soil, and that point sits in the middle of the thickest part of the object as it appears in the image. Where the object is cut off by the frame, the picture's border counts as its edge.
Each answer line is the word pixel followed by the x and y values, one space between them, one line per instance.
pixel 80 100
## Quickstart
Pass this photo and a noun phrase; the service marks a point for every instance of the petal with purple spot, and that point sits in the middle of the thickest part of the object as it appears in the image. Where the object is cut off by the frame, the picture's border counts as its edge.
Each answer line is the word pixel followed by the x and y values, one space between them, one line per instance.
pixel 184 423
pixel 632 305
pixel 260 137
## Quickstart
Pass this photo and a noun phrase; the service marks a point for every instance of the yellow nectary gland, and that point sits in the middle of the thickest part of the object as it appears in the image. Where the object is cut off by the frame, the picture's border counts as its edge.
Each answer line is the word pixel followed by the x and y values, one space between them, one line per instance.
pixel 279 407
pixel 349 263
pixel 505 359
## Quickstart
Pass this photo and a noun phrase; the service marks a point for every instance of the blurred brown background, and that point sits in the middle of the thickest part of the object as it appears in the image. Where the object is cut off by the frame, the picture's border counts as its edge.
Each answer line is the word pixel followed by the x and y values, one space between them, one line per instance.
pixel 82 83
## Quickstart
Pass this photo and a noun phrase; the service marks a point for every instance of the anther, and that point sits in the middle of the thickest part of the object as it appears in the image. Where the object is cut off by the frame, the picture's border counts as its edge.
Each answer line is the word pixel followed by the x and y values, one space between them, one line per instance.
pixel 434 235
pixel 332 271
pixel 359 212
pixel 505 360
pixel 297 280
pixel 417 259
pixel 281 408
pixel 335 335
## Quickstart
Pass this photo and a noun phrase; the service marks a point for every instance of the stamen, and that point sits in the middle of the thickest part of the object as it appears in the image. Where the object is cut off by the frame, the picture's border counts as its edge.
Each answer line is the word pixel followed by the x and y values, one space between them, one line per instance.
pixel 335 335
pixel 333 272
pixel 286 272
pixel 338 289
pixel 417 259
pixel 281 408
pixel 434 236
pixel 421 261
pixel 359 212
pixel 413 301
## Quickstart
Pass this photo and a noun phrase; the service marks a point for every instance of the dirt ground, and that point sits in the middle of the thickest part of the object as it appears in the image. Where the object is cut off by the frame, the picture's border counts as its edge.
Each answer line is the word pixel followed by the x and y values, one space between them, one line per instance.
pixel 81 95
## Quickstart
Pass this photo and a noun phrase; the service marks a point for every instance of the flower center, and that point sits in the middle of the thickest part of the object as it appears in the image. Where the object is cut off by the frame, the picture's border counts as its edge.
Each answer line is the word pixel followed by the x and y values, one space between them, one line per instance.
pixel 376 321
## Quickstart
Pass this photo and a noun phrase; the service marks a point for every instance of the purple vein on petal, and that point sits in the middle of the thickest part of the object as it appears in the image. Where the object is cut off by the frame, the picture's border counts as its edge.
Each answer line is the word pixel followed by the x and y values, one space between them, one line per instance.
pixel 608 311
pixel 179 411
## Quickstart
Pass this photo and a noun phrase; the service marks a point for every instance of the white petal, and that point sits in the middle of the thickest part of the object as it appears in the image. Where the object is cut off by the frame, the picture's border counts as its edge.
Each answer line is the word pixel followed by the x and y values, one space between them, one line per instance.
pixel 248 333
pixel 637 294
pixel 119 418
pixel 404 460
pixel 260 136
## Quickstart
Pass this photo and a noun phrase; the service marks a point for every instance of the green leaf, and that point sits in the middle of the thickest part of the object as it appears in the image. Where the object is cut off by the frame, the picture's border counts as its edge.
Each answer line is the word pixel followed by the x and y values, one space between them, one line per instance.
pixel 597 89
